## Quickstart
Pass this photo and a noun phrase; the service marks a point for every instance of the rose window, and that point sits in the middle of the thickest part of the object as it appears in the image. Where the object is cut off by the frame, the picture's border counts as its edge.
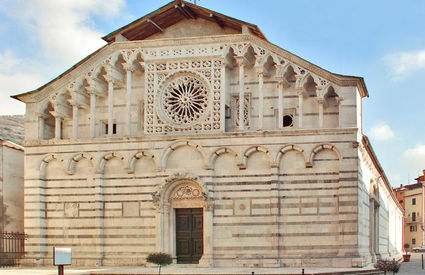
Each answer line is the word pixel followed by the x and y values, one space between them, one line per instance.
pixel 185 100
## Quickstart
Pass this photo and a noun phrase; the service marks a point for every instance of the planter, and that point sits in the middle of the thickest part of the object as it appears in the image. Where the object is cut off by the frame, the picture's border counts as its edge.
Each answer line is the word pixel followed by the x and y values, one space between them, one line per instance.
pixel 406 257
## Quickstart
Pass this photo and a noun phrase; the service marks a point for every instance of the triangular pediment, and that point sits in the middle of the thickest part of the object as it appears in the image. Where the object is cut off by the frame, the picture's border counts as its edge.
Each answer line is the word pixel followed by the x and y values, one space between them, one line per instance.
pixel 181 19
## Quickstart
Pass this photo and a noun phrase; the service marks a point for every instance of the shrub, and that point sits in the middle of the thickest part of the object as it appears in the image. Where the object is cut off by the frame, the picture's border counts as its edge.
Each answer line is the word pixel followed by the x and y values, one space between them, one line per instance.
pixel 159 258
pixel 388 265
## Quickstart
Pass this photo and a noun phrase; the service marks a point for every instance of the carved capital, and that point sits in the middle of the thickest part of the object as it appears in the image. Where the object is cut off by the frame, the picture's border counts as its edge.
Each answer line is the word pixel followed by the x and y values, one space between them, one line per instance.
pixel 129 67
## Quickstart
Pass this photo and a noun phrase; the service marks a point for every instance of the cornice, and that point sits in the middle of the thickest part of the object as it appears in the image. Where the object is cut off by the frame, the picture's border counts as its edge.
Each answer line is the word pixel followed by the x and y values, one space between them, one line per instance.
pixel 192 136
pixel 86 64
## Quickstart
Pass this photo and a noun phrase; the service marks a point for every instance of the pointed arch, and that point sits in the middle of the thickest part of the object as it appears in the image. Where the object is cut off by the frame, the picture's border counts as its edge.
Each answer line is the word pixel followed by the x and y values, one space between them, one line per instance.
pixel 254 149
pixel 291 147
pixel 103 160
pixel 180 143
pixel 321 147
pixel 218 152
pixel 72 162
pixel 139 155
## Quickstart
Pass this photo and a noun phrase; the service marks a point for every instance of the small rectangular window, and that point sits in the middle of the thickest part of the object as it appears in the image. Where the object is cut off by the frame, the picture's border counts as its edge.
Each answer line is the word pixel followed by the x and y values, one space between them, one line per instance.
pixel 227 112
pixel 414 201
pixel 413 241
pixel 114 128
pixel 413 216
pixel 401 201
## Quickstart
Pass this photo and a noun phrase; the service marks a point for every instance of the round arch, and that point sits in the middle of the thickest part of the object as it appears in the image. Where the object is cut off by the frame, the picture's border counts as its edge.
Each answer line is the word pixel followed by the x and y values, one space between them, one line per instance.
pixel 183 190
pixel 254 149
pixel 45 161
pixel 290 147
pixel 142 154
pixel 180 143
pixel 72 162
pixel 321 147
pixel 218 152
pixel 105 158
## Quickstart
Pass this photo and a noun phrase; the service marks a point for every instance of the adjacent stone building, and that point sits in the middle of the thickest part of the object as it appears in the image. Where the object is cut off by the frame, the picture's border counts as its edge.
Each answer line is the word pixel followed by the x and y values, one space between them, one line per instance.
pixel 11 187
pixel 190 133
pixel 411 198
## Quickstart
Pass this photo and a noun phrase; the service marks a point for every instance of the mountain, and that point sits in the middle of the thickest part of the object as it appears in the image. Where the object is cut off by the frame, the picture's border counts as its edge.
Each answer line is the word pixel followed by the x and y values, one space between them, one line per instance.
pixel 12 128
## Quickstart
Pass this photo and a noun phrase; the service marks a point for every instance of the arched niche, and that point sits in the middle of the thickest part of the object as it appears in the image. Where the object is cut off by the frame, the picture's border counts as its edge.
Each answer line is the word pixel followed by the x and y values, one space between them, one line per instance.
pixel 112 164
pixel 330 108
pixel 310 104
pixel 143 163
pixel 326 158
pixel 225 162
pixel 257 158
pixel 184 155
pixel 81 164
pixel 291 160
pixel 46 121
pixel 183 191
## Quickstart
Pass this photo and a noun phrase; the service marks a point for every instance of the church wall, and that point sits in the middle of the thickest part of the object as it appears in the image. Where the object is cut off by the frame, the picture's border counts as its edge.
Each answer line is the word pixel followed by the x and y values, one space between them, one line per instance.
pixel 277 198
pixel 388 218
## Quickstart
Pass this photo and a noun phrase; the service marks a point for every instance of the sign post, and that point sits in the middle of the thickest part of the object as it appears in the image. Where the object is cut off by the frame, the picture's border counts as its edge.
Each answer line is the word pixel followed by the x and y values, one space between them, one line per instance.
pixel 61 257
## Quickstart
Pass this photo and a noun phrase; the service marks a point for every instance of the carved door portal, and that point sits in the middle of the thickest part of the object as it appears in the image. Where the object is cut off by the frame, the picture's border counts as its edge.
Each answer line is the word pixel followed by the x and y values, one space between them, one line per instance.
pixel 189 235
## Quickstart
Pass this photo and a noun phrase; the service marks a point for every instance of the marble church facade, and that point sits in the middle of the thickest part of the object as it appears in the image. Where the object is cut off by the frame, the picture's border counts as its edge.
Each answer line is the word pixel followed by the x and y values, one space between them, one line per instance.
pixel 190 133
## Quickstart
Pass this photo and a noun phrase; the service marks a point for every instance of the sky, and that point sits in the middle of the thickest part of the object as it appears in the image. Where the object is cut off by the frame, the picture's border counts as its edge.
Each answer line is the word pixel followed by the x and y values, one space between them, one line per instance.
pixel 381 40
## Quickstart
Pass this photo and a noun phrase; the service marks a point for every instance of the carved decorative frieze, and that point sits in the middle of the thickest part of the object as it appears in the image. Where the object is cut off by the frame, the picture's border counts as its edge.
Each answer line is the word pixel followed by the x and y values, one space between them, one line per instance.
pixel 186 192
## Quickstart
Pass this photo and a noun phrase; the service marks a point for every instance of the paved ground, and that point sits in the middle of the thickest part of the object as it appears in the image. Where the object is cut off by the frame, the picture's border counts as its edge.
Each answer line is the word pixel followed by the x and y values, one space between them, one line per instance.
pixel 414 267
pixel 169 270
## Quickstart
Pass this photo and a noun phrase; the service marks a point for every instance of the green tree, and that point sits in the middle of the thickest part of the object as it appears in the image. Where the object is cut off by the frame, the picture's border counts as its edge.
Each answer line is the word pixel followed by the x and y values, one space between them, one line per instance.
pixel 159 258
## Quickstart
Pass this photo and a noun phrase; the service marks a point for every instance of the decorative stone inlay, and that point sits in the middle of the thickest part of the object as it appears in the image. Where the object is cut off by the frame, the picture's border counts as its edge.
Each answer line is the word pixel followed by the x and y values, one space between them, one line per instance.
pixel 185 100
pixel 186 192
pixel 246 113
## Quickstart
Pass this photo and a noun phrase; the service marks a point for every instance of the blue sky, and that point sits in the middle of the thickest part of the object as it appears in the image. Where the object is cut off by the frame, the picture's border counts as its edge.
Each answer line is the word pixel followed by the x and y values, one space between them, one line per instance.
pixel 381 40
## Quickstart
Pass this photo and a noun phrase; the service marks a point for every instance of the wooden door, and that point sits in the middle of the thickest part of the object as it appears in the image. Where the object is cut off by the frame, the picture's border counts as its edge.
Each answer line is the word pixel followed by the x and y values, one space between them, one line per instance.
pixel 189 235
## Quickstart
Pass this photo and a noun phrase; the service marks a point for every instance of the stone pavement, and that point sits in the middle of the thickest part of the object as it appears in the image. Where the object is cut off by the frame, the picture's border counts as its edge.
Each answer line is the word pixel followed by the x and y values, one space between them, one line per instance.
pixel 174 270
pixel 414 267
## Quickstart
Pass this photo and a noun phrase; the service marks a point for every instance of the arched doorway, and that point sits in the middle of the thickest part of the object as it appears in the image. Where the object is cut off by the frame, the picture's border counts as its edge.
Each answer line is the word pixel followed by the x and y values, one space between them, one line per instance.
pixel 185 220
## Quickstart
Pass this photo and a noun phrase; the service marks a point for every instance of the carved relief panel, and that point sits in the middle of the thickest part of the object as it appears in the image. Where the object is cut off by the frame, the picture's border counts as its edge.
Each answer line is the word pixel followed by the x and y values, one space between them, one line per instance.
pixel 183 96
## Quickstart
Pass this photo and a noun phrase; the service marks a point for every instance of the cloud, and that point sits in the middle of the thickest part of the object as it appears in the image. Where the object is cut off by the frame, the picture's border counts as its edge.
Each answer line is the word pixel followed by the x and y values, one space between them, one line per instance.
pixel 401 64
pixel 413 160
pixel 382 132
pixel 15 78
pixel 59 34
pixel 64 29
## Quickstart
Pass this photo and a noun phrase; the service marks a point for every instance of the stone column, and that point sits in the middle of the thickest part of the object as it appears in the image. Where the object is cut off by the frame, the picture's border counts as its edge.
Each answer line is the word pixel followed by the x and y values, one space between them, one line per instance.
pixel 280 119
pixel 300 92
pixel 58 127
pixel 300 108
pixel 207 258
pixel 75 120
pixel 93 114
pixel 240 61
pixel 339 100
pixel 110 107
pixel 129 70
pixel 260 100
pixel 41 125
pixel 320 101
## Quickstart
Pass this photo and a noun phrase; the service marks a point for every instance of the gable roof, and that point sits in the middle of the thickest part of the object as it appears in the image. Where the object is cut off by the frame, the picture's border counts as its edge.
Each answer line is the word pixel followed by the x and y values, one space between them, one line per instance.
pixel 173 13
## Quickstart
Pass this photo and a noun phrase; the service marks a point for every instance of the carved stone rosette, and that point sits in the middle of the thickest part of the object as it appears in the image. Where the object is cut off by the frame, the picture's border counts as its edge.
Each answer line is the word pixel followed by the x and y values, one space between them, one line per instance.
pixel 183 96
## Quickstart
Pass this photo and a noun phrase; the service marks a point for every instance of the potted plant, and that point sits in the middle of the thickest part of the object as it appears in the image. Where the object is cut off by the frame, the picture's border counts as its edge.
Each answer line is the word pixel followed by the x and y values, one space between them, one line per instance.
pixel 161 259
pixel 406 257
